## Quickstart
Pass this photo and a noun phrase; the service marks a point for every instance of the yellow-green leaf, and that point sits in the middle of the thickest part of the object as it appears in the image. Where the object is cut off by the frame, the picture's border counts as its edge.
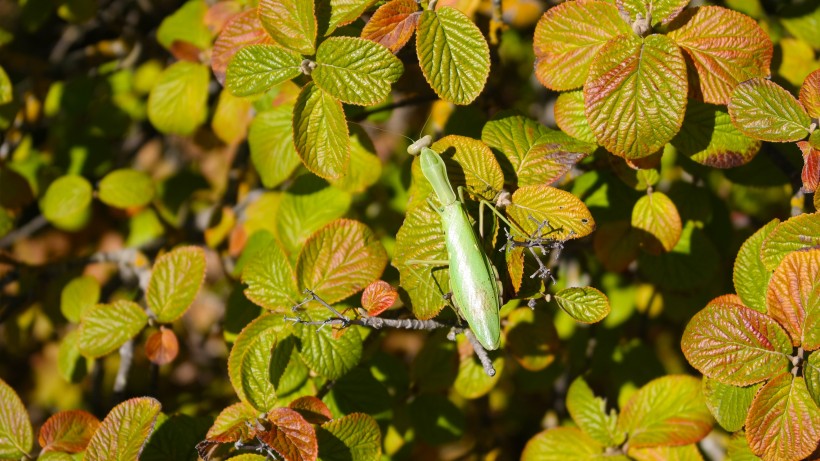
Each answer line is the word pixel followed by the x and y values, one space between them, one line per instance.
pixel 242 29
pixel 68 431
pixel 793 297
pixel 763 110
pixel 257 68
pixel 320 133
pixel 323 352
pixel 365 166
pixel 550 158
pixel 270 139
pixel 750 276
pixel 566 215
pixel 178 102
pixel 512 136
pixel 105 327
pixel 175 281
pixel 355 437
pixel 453 55
pixel 796 233
pixel 67 202
pixel 562 444
pixel 16 436
pixel 291 23
pixel 661 11
pixel 126 188
pixel 531 338
pixel 5 87
pixel 635 95
pixel 657 216
pixel 79 295
pixel 231 118
pixel 472 381
pixel 271 280
pixel 570 116
pixel 187 24
pixel 728 404
pixel 71 364
pixel 584 304
pixel 589 413
pixel 811 372
pixel 124 431
pixel 343 12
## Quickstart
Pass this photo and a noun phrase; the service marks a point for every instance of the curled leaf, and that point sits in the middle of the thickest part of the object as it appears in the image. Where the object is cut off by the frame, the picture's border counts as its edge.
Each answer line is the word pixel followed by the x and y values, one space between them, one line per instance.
pixel 378 297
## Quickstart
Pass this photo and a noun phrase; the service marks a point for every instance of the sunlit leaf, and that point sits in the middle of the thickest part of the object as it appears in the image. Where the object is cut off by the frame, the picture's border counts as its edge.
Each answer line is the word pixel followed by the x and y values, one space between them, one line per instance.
pixel 469 163
pixel 175 281
pixel 270 139
pixel 16 437
pixel 320 133
pixel 793 297
pixel 811 166
pixel 126 188
pixel 231 118
pixel 355 437
pixel 666 453
pixel 562 444
pixel 68 431
pixel 124 431
pixel 229 425
pixel 343 12
pixel 762 109
pixel 162 346
pixel 178 102
pixel 453 55
pixel 326 354
pixel 393 24
pixel 589 413
pixel 810 94
pixel 552 156
pixel 290 436
pixel 531 338
pixel 726 48
pixel 378 297
pixel 291 23
pixel 635 96
pixel 657 216
pixel 584 304
pixel 312 409
pixel 79 295
pixel 186 24
pixel 750 276
pixel 811 372
pixel 365 166
pixel 271 280
pixel 566 216
pixel 105 327
pixel 67 202
pixel 796 233
pixel 71 364
pixel 569 36
pixel 728 404
pixel 570 116
pixel 661 11
pixel 241 30
pixel 512 136
pixel 257 68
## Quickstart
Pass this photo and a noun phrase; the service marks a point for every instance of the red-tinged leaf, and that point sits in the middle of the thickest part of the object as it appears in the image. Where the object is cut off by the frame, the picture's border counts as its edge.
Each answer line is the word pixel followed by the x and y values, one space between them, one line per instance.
pixel 762 109
pixel 736 345
pixel 811 166
pixel 569 36
pixel 725 47
pixel 185 51
pixel 562 443
pixel 657 216
pixel 665 453
pixel 796 233
pixel 810 94
pixel 378 297
pixel 68 431
pixel 162 346
pixel 393 24
pixel 16 437
pixel 635 95
pixel 570 117
pixel 124 431
pixel 550 158
pixel 793 298
pixel 783 422
pixel 661 11
pixel 230 425
pixel 340 259
pixel 291 23
pixel 355 437
pixel 242 30
pixel 312 409
pixel 320 133
pixel 220 13
pixel 293 438
pixel 668 411
pixel 512 136
pixel 616 244
pixel 175 281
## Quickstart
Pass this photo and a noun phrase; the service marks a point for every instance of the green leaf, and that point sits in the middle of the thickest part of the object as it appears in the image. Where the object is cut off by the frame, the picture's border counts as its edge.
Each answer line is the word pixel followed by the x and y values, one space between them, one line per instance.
pixel 343 12
pixel 326 354
pixel 635 95
pixel 584 304
pixel 704 35
pixel 737 449
pixel 16 436
pixel 735 345
pixel 175 437
pixel 126 188
pixel 78 296
pixel 750 276
pixel 783 422
pixel 291 23
pixel 566 215
pixel 6 222
pixel 472 381
pixel 435 367
pixel 175 282
pixel 355 437
pixel 762 109
pixel 355 70
pixel 56 456
pixel 562 55
pixel 255 370
pixel 550 158
pixel 71 364
pixel 470 163
pixel 531 338
pixel 453 55
pixel 728 404
pixel 358 391
pixel 67 202
pixel 589 413
pixel 339 260
pixel 241 30
pixel 257 68
pixel 105 327
pixel 562 444
pixel 657 216
pixel 320 133
pixel 178 102
pixel 68 431
pixel 187 24
pixel 666 453
pixel 231 118
pixel 393 24
pixel 796 233
pixel 124 431
pixel 6 94
pixel 365 166
pixel 271 280
pixel 512 136
pixel 270 139
pixel 289 435
pixel 570 116
pixel 667 411
pixel 661 11
pixel 436 419
pixel 709 138
pixel 793 297
pixel 809 94
pixel 811 372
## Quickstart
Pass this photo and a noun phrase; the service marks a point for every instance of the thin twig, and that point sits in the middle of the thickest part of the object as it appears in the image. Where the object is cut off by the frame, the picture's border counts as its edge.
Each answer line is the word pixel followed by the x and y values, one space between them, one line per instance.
pixel 483 357
pixel 24 231
pixel 126 359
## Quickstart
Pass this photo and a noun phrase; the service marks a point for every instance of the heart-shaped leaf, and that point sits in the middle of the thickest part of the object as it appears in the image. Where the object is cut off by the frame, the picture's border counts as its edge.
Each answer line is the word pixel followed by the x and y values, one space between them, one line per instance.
pixel 657 216
pixel 355 437
pixel 68 431
pixel 561 444
pixel 562 55
pixel 811 166
pixel 793 297
pixel 271 280
pixel 584 304
pixel 175 281
pixel 512 136
pixel 78 296
pixel 178 102
pixel 16 436
pixel 661 11
pixel 635 95
pixel 126 188
pixel 728 404
pixel 290 436
pixel 589 412
pixel 105 327
pixel 124 431
pixel 570 116
pixel 453 55
pixel 796 233
pixel 67 202
pixel 241 30
pixel 378 297
pixel 393 24
pixel 257 68
pixel 291 23
pixel 565 214
pixel 320 133
pixel 750 276
pixel 270 138
pixel 762 109
pixel 810 94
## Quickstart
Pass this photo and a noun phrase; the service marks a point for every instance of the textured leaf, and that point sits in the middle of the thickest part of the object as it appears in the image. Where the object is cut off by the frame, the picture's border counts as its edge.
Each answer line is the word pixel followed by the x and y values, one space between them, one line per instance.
pixel 783 422
pixel 657 216
pixel 67 202
pixel 355 70
pixel 811 167
pixel 797 233
pixel 312 409
pixel 589 413
pixel 550 158
pixel 255 370
pixel 661 11
pixel 126 188
pixel 666 411
pixel 16 437
pixel 378 297
pixel 355 437
pixel 241 30
pixel 737 448
pixel 531 338
pixel 472 381
pixel 735 345
pixel 453 55
pixel 162 346
pixel 78 296
pixel 270 139
pixel 562 444
pixel 567 217
pixel 365 166
pixel 175 281
pixel 359 390
pixel 289 435
pixel 469 163
pixel 229 425
pixel 810 94
pixel 725 47
pixel 635 95
pixel 811 372
pixel 666 453
pixel 178 102
pixel 393 24
pixel 512 136
pixel 291 23
pixel 728 404
pixel 340 259
pixel 793 297
pixel 569 36
pixel 124 431
pixel 68 431
pixel 6 94
pixel 257 68
pixel 709 138
pixel 320 132
pixel 584 304
pixel 570 116
pixel 105 327
pixel 762 109
pixel 751 278
pixel 271 280
pixel 343 12
pixel 327 355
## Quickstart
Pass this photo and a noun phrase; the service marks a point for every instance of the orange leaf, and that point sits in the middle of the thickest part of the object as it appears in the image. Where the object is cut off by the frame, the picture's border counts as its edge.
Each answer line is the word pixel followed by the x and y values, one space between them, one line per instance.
pixel 241 30
pixel 792 297
pixel 378 297
pixel 162 346
pixel 293 438
pixel 393 24
pixel 312 409
pixel 810 94
pixel 811 166
pixel 68 431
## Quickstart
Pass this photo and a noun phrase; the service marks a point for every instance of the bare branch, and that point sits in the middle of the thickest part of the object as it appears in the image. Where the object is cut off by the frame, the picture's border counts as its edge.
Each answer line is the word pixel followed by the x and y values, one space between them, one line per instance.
pixel 483 357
